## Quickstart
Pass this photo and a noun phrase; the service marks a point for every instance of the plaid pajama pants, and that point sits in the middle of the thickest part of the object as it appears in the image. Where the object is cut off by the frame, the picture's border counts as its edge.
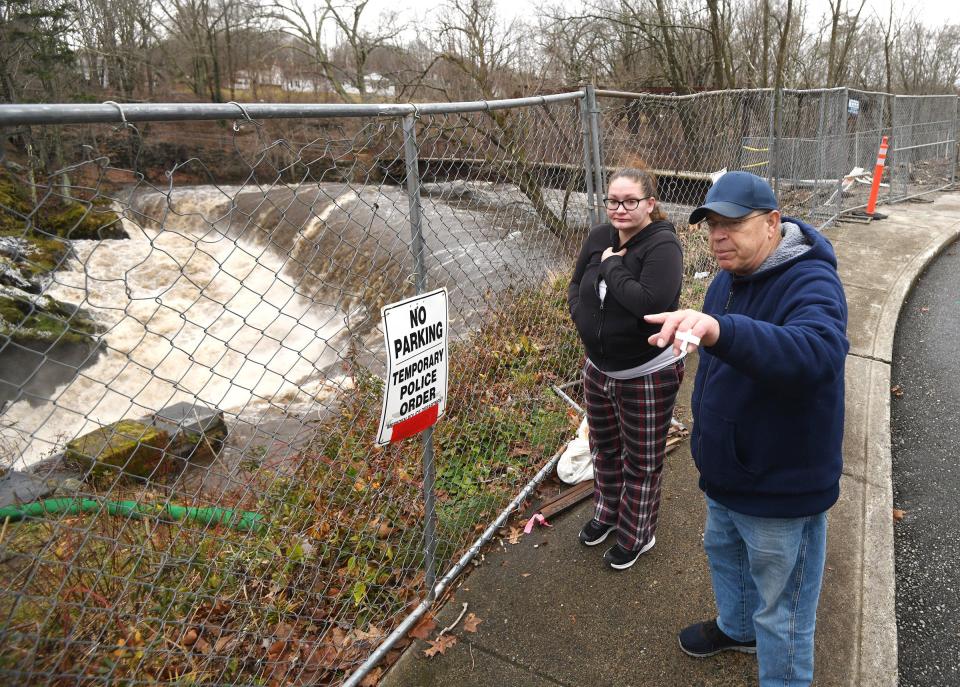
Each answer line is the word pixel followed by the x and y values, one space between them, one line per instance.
pixel 629 420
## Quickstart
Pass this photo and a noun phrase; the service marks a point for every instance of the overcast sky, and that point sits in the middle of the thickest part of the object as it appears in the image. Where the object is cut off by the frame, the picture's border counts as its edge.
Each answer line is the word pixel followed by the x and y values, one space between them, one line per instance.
pixel 931 12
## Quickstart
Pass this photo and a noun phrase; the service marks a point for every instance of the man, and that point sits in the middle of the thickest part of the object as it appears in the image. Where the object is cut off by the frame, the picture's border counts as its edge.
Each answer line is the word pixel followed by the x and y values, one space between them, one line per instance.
pixel 768 424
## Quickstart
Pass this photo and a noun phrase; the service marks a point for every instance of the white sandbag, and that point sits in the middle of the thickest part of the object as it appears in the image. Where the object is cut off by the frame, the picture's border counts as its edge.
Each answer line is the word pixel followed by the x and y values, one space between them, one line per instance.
pixel 575 465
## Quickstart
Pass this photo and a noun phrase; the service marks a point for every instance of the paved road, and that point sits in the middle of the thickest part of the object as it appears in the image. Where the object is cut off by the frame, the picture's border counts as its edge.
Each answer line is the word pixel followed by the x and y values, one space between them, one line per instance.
pixel 925 421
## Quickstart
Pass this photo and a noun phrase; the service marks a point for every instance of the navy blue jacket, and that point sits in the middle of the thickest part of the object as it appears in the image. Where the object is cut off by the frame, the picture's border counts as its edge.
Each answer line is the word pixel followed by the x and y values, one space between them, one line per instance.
pixel 768 396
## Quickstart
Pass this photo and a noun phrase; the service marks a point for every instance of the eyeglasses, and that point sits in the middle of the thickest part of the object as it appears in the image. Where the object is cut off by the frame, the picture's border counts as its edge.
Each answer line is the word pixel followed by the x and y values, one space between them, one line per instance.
pixel 730 224
pixel 629 204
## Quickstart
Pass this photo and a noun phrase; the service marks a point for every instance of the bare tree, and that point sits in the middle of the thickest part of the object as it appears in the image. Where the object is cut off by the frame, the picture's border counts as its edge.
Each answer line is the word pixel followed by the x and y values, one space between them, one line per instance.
pixel 574 48
pixel 117 39
pixel 482 52
pixel 843 33
pixel 930 61
pixel 361 43
pixel 193 27
pixel 313 25
pixel 723 76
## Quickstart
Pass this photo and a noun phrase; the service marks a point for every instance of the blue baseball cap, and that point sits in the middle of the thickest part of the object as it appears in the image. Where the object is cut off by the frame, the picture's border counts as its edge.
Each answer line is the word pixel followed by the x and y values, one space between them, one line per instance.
pixel 736 194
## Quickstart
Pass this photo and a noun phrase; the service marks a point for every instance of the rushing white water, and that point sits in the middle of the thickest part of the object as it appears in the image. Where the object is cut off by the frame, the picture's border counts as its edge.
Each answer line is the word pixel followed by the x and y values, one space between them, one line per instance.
pixel 191 314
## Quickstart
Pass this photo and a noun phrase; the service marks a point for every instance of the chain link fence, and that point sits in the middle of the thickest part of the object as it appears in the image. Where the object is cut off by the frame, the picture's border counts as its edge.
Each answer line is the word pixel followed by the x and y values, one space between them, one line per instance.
pixel 924 150
pixel 191 357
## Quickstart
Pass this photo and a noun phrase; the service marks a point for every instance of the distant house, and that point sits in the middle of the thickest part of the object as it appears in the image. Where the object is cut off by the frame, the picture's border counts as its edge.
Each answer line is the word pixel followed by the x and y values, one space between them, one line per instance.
pixel 245 80
pixel 302 83
pixel 298 81
pixel 374 84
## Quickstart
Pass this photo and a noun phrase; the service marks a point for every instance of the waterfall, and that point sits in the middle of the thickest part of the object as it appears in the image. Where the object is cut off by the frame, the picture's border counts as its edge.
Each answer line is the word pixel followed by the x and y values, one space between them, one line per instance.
pixel 245 298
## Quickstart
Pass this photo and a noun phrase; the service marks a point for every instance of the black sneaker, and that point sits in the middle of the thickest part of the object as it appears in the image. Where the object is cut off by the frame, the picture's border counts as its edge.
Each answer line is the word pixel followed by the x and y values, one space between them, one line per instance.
pixel 593 532
pixel 620 558
pixel 706 639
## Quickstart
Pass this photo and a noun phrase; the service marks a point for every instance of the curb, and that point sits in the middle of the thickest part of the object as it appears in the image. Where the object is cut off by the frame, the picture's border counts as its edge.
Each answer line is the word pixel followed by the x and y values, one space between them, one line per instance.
pixel 878 657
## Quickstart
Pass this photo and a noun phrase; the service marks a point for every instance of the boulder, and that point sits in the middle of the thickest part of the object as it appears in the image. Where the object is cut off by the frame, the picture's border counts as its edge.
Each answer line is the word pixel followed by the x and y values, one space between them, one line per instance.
pixel 18 487
pixel 157 446
pixel 132 447
pixel 198 431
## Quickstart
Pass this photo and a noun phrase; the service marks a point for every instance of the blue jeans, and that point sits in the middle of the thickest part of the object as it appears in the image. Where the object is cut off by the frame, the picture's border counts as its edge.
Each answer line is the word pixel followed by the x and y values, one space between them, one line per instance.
pixel 766 578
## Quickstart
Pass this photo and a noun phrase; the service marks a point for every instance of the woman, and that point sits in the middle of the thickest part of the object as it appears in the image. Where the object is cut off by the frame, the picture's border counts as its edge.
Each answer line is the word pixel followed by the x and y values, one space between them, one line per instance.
pixel 628 267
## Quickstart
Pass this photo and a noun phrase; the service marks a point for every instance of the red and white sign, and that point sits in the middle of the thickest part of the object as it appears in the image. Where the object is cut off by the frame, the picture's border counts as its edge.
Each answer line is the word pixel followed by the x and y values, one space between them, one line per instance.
pixel 415 393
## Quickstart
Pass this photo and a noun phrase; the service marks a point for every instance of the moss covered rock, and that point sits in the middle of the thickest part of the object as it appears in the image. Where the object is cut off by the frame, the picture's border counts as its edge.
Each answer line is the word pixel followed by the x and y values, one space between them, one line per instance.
pixel 32 320
pixel 56 216
pixel 198 431
pixel 86 221
pixel 35 241
pixel 134 448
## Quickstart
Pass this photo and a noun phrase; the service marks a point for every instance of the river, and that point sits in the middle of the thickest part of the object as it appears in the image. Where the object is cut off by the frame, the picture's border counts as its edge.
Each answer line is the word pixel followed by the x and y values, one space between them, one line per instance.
pixel 247 299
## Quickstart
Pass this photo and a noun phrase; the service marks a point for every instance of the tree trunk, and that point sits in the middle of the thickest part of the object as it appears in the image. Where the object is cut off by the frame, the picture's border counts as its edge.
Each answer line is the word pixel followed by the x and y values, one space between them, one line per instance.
pixel 675 73
pixel 228 44
pixel 765 41
pixel 832 52
pixel 716 41
pixel 215 86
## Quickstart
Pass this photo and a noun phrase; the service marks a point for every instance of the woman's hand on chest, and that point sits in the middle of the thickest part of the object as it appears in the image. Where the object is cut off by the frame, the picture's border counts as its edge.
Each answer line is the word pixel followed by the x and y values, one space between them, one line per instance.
pixel 610 252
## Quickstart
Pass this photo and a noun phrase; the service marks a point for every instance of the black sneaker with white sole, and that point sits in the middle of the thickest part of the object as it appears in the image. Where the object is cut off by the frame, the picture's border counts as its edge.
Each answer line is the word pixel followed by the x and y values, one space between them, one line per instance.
pixel 620 558
pixel 706 639
pixel 593 532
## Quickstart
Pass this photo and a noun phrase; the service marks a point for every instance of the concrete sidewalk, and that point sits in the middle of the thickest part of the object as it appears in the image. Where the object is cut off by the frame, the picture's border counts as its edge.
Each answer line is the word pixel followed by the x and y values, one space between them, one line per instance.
pixel 553 614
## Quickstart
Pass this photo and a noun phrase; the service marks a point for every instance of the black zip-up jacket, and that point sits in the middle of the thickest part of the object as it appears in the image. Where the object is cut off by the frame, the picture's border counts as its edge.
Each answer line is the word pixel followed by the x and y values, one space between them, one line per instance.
pixel 644 281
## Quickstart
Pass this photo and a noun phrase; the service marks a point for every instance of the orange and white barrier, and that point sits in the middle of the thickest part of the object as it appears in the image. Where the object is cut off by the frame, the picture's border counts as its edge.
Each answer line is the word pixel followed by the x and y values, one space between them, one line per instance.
pixel 877 174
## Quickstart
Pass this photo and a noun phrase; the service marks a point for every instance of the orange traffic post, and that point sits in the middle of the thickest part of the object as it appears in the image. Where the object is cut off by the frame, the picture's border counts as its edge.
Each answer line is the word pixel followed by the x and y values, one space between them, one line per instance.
pixel 877 174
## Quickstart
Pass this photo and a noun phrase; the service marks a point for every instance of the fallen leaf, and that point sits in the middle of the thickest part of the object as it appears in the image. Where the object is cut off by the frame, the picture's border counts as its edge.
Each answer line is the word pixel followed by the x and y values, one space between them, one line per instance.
pixel 283 631
pixel 190 637
pixel 323 657
pixel 470 622
pixel 424 628
pixel 897 390
pixel 372 678
pixel 381 527
pixel 221 644
pixel 276 649
pixel 514 535
pixel 339 638
pixel 439 645
pixel 898 514
pixel 373 633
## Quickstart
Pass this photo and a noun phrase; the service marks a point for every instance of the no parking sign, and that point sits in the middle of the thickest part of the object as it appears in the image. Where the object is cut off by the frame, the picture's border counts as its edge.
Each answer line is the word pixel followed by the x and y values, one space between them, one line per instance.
pixel 415 389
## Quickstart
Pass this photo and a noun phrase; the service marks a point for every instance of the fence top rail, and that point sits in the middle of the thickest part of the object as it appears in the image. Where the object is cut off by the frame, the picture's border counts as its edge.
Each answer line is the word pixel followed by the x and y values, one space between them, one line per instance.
pixel 110 112
pixel 930 95
pixel 860 91
pixel 814 91
pixel 627 95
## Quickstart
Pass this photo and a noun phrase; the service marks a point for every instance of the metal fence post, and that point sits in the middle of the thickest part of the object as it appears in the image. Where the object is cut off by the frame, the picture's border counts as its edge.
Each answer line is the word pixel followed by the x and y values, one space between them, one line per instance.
pixel 420 280
pixel 956 132
pixel 771 150
pixel 844 142
pixel 892 149
pixel 821 172
pixel 585 128
pixel 775 117
pixel 598 170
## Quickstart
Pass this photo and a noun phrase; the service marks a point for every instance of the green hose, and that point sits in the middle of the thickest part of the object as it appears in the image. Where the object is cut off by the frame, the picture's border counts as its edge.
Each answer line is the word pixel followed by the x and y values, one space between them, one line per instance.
pixel 238 520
